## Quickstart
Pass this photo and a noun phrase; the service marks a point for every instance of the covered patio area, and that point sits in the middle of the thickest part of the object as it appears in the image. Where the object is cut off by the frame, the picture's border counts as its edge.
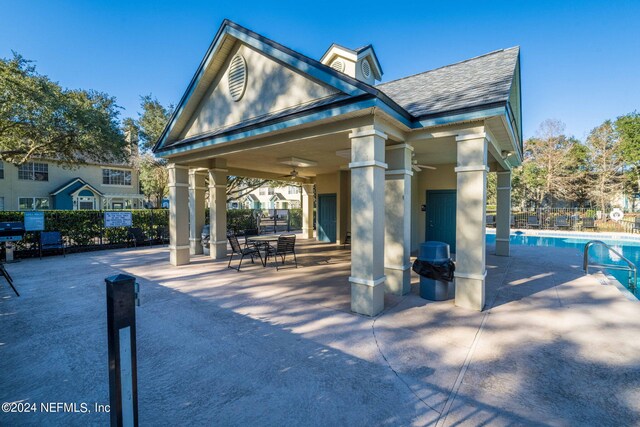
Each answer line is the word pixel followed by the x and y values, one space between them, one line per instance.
pixel 553 347
pixel 392 164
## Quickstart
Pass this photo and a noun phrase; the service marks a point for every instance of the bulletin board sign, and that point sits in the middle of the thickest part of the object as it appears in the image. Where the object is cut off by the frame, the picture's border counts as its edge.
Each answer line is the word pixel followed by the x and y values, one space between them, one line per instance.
pixel 34 221
pixel 117 219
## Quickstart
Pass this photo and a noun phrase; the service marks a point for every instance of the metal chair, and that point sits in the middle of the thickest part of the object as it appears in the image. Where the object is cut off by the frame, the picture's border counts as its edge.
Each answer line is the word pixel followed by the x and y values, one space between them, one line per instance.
pixel 137 237
pixel 561 222
pixel 532 222
pixel 51 240
pixel 347 239
pixel 589 223
pixel 286 245
pixel 243 252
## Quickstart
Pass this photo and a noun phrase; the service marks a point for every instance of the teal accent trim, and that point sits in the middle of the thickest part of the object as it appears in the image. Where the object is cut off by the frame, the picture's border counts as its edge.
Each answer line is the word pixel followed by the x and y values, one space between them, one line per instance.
pixel 454 118
pixel 296 63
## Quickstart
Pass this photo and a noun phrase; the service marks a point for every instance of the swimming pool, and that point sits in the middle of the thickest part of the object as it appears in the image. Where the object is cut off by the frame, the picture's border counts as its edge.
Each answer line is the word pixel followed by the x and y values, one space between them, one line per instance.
pixel 627 246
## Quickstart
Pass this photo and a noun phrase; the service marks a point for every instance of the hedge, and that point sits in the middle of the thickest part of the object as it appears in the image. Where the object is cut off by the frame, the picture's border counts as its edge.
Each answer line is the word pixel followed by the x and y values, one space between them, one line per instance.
pixel 84 229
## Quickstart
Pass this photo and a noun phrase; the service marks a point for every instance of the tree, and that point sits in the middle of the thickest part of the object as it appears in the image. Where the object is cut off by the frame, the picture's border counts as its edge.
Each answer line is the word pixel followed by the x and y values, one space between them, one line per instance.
pixel 606 163
pixel 154 178
pixel 551 162
pixel 628 129
pixel 40 119
pixel 152 121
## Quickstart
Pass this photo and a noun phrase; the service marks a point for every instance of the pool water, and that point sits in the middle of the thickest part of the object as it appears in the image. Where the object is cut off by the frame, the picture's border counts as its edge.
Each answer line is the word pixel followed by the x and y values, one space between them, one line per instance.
pixel 598 254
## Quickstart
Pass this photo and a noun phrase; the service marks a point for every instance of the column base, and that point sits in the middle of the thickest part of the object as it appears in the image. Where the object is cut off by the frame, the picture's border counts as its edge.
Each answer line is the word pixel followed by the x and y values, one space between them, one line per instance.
pixel 179 255
pixel 502 247
pixel 470 290
pixel 195 247
pixel 367 299
pixel 398 280
pixel 218 250
pixel 307 233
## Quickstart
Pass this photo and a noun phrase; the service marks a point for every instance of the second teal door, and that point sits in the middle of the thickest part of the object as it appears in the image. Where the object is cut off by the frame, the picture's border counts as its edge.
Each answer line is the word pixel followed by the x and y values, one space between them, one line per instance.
pixel 441 217
pixel 327 218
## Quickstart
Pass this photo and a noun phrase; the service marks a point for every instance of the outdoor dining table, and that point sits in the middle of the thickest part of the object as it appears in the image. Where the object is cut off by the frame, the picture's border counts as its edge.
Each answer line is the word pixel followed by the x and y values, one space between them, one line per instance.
pixel 263 242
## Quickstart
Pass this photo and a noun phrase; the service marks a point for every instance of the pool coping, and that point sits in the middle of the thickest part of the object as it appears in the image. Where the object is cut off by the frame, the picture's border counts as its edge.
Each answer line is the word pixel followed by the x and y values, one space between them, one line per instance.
pixel 581 234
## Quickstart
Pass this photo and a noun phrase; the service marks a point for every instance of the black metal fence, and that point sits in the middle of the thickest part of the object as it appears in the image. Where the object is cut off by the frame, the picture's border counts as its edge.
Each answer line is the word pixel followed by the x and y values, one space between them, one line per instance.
pixel 575 219
pixel 83 230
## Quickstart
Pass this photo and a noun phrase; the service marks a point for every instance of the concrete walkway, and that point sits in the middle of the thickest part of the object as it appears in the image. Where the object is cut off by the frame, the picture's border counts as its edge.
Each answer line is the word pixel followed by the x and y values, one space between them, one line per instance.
pixel 262 347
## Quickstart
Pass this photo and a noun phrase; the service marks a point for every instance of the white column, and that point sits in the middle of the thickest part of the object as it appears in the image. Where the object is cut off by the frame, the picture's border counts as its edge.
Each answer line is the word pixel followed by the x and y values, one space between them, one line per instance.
pixel 178 214
pixel 218 209
pixel 471 220
pixel 397 224
pixel 503 214
pixel 307 211
pixel 367 220
pixel 197 191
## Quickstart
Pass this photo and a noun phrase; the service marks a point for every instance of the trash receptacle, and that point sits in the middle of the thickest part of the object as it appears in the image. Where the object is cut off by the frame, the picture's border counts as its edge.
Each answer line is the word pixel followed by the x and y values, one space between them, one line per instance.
pixel 435 267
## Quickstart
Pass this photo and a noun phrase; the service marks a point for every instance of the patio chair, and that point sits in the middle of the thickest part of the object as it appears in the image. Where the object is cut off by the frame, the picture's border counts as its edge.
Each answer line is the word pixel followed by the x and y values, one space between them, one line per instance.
pixel 636 225
pixel 347 239
pixel 589 223
pixel 532 222
pixel 162 235
pixel 561 222
pixel 491 220
pixel 249 233
pixel 243 252
pixel 286 245
pixel 137 237
pixel 51 240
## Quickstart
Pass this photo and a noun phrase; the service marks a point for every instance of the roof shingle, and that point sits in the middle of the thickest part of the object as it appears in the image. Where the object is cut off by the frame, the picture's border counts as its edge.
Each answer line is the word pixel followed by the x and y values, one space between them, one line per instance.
pixel 474 82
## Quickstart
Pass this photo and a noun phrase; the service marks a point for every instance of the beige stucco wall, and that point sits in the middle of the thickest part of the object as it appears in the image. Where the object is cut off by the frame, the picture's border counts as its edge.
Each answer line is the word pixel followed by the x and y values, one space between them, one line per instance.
pixel 12 188
pixel 271 87
pixel 442 178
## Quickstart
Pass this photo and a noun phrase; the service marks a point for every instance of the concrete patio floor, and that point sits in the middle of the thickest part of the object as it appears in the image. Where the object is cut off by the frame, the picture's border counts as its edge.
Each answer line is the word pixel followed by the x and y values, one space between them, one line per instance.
pixel 260 347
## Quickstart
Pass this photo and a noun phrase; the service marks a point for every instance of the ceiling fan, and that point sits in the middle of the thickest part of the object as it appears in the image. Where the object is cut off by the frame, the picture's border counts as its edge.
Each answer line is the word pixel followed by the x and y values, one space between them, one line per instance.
pixel 416 167
pixel 293 175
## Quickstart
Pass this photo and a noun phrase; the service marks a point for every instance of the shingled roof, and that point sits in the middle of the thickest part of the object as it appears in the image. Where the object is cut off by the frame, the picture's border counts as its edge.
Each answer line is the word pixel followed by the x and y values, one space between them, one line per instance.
pixel 477 81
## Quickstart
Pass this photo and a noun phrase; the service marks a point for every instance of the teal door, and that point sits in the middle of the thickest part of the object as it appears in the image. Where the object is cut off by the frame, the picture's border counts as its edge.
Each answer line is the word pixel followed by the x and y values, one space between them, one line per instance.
pixel 327 218
pixel 441 217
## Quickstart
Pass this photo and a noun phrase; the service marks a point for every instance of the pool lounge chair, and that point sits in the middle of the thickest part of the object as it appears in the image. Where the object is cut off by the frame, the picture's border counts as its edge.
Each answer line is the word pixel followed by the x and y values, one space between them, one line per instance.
pixel 532 222
pixel 561 222
pixel 491 221
pixel 589 223
pixel 636 225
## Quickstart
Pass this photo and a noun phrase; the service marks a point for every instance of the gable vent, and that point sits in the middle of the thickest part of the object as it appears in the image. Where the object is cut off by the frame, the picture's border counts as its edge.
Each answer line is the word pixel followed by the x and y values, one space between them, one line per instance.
pixel 338 65
pixel 237 77
pixel 366 68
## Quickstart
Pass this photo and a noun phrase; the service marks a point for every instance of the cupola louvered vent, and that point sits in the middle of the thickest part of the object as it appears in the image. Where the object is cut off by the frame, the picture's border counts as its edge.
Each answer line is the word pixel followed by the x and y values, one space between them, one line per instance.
pixel 366 68
pixel 338 65
pixel 237 77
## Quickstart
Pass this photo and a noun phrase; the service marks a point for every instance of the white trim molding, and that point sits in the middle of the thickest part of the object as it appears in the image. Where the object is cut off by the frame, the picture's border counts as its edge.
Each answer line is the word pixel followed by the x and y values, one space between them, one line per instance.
pixel 398 146
pixel 399 172
pixel 174 166
pixel 178 184
pixel 179 247
pixel 368 163
pixel 369 132
pixel 472 168
pixel 367 282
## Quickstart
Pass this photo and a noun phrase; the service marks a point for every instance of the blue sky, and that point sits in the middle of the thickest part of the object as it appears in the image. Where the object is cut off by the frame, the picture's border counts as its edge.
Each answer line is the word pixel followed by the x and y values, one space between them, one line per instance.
pixel 580 59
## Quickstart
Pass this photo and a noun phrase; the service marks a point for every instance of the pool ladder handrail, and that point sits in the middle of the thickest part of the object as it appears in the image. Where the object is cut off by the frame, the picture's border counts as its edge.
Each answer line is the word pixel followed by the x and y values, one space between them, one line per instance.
pixel 631 267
